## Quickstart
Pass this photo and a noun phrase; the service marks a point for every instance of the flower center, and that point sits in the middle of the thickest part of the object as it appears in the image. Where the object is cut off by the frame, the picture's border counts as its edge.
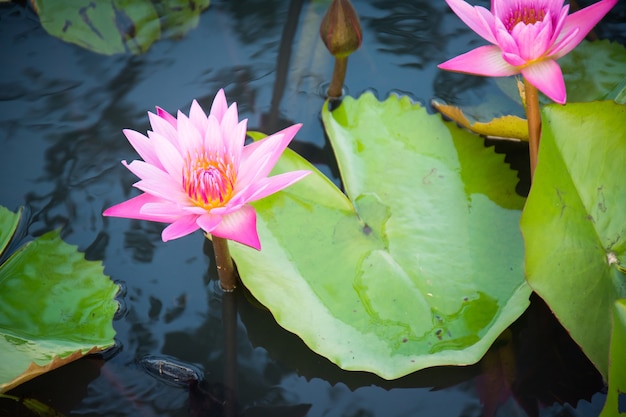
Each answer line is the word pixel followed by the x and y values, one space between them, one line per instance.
pixel 525 14
pixel 208 181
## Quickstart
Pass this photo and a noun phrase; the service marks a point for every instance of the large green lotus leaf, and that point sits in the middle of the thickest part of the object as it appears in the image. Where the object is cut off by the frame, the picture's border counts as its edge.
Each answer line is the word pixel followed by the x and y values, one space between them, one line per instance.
pixel 614 405
pixel 118 26
pixel 55 306
pixel 574 222
pixel 421 265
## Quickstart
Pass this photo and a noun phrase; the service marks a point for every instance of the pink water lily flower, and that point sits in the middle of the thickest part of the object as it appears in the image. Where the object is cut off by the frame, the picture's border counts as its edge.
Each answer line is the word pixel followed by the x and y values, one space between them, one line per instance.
pixel 196 173
pixel 527 37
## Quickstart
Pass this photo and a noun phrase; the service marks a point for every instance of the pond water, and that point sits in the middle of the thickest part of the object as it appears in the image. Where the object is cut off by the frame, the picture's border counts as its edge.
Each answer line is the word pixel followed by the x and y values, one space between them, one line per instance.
pixel 62 111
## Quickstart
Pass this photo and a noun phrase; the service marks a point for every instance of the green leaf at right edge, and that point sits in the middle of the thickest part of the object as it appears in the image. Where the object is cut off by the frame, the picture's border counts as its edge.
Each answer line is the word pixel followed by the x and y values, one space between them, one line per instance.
pixel 574 222
pixel 55 306
pixel 420 266
pixel 615 406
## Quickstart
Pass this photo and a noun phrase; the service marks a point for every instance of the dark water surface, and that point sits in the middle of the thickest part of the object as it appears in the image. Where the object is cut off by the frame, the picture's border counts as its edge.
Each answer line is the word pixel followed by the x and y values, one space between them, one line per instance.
pixel 62 111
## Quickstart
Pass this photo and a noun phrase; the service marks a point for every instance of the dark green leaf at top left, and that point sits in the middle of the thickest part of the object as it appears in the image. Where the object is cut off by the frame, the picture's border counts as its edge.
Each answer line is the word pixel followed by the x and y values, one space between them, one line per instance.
pixel 118 26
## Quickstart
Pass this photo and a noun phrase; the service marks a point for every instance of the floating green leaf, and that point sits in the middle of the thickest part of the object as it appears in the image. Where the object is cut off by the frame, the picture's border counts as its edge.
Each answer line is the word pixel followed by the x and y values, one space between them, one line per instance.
pixel 118 26
pixel 574 222
pixel 54 306
pixel 421 265
pixel 614 405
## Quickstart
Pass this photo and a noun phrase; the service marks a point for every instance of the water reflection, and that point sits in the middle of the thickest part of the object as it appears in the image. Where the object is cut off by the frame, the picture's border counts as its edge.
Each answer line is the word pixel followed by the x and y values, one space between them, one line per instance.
pixel 409 28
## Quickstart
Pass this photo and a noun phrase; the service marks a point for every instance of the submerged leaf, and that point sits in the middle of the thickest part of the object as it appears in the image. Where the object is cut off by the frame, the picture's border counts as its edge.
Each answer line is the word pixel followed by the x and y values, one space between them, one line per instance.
pixel 421 265
pixel 574 222
pixel 55 307
pixel 505 127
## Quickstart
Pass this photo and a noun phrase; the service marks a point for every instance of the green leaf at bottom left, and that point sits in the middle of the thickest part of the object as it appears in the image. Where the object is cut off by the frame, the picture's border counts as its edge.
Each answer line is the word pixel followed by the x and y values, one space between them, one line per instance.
pixel 55 307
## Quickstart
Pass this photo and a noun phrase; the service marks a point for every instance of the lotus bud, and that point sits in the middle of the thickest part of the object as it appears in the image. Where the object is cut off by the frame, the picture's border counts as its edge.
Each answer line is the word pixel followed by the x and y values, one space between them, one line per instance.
pixel 341 29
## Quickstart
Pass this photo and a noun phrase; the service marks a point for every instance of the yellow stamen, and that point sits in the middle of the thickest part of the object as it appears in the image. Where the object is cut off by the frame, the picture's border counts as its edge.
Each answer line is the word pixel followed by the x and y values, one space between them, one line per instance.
pixel 208 180
pixel 526 15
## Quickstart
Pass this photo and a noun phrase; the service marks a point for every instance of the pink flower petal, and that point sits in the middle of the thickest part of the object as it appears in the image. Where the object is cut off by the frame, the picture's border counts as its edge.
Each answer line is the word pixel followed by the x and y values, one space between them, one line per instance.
pixel 156 182
pixel 169 158
pixel 209 221
pixel 165 210
pixel 479 19
pixel 239 226
pixel 213 140
pixel 270 185
pixel 163 128
pixel 131 209
pixel 189 138
pixel 179 228
pixel 546 75
pixel 560 21
pixel 514 60
pixel 143 146
pixel 230 118
pixel 506 42
pixel 235 141
pixel 533 40
pixel 166 116
pixel 219 106
pixel 484 60
pixel 258 158
pixel 584 19
pixel 556 50
pixel 197 116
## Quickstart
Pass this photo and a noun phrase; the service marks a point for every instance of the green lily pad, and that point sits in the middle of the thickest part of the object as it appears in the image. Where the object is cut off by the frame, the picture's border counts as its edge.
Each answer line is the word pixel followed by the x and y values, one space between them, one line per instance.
pixel 615 400
pixel 55 306
pixel 421 265
pixel 118 26
pixel 574 223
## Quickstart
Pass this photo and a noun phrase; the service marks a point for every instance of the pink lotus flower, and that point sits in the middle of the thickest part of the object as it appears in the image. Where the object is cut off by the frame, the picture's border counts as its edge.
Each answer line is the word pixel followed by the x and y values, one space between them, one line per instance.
pixel 196 173
pixel 528 36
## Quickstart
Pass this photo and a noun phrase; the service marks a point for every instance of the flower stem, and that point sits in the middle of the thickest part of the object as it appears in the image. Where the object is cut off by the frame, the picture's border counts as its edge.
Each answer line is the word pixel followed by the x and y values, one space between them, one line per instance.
pixel 534 123
pixel 225 268
pixel 339 75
